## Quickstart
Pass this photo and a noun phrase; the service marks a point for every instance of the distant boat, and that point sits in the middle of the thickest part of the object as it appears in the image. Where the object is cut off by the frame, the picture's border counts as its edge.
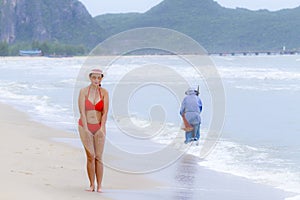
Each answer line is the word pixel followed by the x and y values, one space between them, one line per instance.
pixel 30 53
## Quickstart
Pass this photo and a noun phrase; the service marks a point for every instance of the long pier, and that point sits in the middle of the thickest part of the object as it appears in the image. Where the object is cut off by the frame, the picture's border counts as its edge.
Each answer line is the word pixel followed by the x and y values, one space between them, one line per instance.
pixel 255 53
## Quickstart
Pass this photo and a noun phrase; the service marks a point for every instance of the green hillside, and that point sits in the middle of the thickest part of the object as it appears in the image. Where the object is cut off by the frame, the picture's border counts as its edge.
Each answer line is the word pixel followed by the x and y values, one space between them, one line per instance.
pixel 216 28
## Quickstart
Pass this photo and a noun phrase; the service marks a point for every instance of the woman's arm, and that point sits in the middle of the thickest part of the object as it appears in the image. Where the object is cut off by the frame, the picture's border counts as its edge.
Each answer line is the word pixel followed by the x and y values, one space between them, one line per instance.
pixel 81 104
pixel 105 109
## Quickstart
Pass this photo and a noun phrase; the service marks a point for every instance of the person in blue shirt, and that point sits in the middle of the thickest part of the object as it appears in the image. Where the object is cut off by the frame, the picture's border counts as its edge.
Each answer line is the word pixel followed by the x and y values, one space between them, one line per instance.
pixel 190 110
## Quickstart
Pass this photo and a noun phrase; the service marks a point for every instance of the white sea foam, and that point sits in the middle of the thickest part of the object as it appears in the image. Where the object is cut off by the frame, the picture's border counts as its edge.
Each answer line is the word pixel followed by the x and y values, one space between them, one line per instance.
pixel 268 87
pixel 40 107
pixel 257 73
pixel 254 163
pixel 293 198
pixel 65 83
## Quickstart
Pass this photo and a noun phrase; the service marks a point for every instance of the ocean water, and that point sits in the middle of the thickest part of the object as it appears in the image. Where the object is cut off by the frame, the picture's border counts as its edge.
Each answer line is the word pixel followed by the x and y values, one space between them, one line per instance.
pixel 260 137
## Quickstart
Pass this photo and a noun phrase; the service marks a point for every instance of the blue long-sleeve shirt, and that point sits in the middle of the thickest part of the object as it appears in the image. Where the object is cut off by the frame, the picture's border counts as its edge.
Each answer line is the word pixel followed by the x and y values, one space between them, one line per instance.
pixel 191 106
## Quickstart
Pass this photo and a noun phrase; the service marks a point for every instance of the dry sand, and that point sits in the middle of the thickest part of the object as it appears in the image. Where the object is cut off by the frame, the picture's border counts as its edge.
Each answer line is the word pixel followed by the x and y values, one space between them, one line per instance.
pixel 34 166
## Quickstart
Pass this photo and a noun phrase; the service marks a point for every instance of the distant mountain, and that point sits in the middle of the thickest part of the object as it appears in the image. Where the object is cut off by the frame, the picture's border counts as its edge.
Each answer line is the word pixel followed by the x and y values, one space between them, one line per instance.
pixel 62 21
pixel 216 28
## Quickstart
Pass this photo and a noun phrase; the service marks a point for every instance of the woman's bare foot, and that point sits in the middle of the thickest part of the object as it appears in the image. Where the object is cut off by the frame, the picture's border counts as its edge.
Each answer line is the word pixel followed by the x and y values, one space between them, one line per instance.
pixel 90 189
pixel 99 190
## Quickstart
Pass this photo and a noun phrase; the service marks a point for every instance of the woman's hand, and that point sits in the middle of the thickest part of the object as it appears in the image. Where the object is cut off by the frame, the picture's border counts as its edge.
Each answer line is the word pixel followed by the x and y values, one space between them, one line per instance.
pixel 88 131
pixel 103 130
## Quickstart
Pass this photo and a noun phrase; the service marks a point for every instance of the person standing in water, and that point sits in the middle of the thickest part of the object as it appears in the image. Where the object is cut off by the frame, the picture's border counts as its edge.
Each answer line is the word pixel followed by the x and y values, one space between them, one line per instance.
pixel 93 106
pixel 190 110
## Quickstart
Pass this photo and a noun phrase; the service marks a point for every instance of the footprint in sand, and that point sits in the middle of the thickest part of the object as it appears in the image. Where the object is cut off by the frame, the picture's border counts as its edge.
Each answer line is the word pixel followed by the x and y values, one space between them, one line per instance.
pixel 22 172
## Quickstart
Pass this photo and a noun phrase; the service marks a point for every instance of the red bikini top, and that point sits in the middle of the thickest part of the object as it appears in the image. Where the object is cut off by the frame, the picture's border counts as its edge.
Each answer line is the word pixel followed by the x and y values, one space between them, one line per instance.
pixel 90 106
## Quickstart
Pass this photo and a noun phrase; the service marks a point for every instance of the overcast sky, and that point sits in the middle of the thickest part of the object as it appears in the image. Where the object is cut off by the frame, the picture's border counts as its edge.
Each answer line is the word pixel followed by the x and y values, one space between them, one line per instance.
pixel 97 7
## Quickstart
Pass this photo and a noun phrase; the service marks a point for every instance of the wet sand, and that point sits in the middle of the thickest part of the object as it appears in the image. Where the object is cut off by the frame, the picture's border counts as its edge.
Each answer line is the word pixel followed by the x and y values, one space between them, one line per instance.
pixel 186 180
pixel 35 166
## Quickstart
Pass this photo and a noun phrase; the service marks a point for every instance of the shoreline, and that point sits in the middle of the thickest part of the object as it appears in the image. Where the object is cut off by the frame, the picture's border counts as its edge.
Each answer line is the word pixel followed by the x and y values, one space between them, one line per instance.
pixel 37 167
pixel 31 97
pixel 213 54
pixel 37 163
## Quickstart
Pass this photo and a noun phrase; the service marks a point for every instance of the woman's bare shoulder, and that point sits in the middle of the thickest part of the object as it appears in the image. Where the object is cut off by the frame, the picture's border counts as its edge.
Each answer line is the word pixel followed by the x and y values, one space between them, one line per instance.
pixel 104 92
pixel 84 91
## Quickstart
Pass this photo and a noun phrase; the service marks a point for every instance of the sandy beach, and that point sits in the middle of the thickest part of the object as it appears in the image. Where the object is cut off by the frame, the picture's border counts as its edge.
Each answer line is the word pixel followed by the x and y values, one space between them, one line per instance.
pixel 35 167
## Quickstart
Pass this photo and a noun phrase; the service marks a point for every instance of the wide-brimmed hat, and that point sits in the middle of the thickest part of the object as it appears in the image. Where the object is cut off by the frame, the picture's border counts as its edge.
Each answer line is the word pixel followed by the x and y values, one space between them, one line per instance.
pixel 95 71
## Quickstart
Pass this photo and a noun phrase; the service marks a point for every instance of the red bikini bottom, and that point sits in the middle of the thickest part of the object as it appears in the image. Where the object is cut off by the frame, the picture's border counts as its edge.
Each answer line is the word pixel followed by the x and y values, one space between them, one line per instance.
pixel 92 127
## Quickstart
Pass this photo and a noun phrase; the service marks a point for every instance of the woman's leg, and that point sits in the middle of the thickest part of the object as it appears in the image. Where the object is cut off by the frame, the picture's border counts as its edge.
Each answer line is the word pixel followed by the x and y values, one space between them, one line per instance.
pixel 99 147
pixel 88 143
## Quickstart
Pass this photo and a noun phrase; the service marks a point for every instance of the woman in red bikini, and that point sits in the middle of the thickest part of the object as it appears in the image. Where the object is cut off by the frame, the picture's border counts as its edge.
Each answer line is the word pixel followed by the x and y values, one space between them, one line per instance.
pixel 93 107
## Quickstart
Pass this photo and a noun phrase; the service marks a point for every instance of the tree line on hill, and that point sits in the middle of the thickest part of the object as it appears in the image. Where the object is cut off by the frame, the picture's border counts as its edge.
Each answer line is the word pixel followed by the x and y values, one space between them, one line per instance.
pixel 47 48
pixel 65 27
